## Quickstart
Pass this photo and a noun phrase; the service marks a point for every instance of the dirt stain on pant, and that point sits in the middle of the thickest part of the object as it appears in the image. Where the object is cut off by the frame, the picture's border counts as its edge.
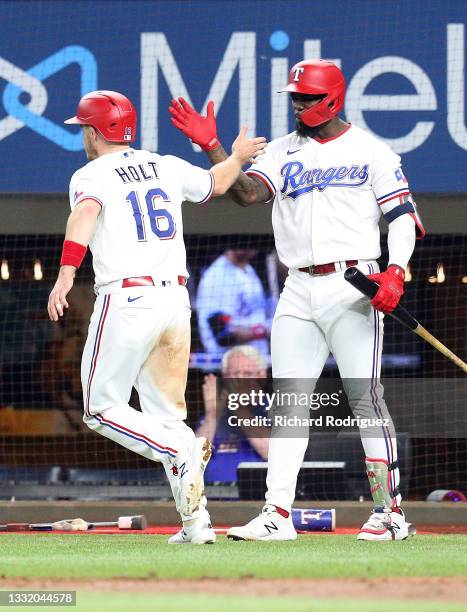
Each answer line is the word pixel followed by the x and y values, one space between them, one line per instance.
pixel 167 366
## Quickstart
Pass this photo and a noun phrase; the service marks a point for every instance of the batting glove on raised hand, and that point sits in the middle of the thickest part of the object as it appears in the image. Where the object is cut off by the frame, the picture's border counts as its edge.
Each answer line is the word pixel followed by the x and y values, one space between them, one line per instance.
pixel 201 130
pixel 391 288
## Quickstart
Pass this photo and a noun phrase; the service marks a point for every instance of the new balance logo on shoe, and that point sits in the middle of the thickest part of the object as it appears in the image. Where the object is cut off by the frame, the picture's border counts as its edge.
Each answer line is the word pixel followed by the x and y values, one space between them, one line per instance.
pixel 393 529
pixel 271 527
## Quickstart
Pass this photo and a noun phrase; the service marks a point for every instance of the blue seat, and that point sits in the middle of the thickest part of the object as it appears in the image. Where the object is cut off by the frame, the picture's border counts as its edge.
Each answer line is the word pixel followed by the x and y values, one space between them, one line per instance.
pixel 20 475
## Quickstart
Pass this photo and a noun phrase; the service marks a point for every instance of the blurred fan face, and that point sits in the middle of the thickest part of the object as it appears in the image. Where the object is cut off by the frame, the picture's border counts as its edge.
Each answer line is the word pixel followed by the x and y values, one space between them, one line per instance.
pixel 243 256
pixel 241 366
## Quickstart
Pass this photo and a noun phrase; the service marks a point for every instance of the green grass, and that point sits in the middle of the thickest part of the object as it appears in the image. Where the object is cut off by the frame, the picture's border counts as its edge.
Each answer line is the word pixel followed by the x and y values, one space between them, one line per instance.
pixel 145 556
pixel 121 602
pixel 201 603
pixel 96 556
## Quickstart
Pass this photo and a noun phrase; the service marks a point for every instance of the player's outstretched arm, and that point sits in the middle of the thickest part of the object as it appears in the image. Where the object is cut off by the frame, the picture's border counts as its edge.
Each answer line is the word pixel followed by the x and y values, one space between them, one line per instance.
pixel 202 130
pixel 79 229
pixel 243 150
pixel 246 190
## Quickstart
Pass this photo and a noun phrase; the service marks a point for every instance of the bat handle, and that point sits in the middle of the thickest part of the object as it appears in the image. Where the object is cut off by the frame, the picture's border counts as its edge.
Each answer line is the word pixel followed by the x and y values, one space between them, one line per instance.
pixel 361 282
pixel 369 288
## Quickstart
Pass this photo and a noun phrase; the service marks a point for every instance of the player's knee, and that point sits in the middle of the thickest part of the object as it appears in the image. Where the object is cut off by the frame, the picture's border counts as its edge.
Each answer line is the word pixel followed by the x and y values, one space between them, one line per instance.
pixel 182 429
pixel 90 421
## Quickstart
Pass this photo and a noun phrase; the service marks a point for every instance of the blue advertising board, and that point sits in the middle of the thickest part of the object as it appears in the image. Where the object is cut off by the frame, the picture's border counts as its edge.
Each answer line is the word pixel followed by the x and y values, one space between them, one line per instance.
pixel 404 64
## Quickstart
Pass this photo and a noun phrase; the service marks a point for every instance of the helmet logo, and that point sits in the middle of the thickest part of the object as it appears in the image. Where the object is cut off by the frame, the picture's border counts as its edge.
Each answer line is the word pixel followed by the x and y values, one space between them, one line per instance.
pixel 127 135
pixel 297 72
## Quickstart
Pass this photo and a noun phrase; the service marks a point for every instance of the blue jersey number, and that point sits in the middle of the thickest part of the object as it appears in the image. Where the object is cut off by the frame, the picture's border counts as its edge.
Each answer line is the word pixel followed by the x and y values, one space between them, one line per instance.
pixel 161 221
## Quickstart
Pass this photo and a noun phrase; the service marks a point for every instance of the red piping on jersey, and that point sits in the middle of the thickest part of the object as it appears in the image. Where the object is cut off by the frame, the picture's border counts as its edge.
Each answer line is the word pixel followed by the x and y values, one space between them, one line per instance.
pixel 211 189
pixel 393 197
pixel 325 140
pixel 93 198
pixel 419 225
pixel 263 179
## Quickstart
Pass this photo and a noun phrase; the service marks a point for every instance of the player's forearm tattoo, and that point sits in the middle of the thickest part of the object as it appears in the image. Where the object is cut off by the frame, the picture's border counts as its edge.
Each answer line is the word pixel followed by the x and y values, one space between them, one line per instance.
pixel 246 190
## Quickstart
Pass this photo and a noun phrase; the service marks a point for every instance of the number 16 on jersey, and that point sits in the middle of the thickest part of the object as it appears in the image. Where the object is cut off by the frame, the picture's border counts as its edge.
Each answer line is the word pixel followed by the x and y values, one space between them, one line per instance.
pixel 161 221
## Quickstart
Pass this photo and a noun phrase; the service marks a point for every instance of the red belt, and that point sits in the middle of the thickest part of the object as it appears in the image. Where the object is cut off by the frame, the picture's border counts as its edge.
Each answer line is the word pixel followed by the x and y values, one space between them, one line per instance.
pixel 147 281
pixel 328 268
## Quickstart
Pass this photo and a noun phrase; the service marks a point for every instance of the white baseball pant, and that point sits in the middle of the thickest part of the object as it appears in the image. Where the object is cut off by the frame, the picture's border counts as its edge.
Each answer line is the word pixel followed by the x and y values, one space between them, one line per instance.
pixel 315 316
pixel 140 336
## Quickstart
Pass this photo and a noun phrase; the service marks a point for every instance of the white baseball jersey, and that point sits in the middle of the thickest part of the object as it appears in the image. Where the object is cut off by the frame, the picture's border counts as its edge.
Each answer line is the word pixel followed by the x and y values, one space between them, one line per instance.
pixel 139 231
pixel 233 291
pixel 329 195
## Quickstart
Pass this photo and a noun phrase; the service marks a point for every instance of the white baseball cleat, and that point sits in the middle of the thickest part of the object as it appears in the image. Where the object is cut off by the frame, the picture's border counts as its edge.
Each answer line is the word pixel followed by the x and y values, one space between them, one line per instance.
pixel 382 526
pixel 200 532
pixel 268 526
pixel 191 466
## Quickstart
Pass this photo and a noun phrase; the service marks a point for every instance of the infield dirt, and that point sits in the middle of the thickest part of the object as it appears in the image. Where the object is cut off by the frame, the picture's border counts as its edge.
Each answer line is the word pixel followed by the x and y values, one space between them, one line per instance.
pixel 442 589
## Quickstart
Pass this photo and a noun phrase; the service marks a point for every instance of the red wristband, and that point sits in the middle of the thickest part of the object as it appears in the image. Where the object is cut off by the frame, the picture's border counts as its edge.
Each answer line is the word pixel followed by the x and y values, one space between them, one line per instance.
pixel 212 144
pixel 72 254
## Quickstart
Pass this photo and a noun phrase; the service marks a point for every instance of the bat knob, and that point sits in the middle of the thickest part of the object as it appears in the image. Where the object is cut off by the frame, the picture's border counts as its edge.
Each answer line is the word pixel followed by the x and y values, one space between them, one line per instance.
pixel 350 273
pixel 139 522
pixel 361 282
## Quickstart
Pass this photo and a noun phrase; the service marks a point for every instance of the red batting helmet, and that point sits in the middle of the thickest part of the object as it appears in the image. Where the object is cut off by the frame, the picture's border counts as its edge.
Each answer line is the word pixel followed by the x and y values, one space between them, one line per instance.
pixel 318 77
pixel 110 113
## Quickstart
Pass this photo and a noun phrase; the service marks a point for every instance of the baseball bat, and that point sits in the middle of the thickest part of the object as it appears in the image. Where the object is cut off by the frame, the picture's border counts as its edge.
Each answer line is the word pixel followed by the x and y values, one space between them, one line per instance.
pixel 15 527
pixel 370 288
pixel 124 522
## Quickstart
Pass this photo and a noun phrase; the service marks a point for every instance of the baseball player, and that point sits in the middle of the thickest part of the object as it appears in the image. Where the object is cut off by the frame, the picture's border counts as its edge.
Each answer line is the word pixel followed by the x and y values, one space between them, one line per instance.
pixel 329 183
pixel 126 205
pixel 231 305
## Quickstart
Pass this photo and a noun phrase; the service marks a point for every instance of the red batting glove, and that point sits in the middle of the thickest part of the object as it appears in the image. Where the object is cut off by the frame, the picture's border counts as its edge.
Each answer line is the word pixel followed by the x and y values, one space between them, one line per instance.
pixel 201 130
pixel 391 288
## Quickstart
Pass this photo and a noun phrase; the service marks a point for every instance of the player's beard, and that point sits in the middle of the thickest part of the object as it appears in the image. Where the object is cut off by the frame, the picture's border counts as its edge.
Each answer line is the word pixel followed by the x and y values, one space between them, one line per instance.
pixel 306 130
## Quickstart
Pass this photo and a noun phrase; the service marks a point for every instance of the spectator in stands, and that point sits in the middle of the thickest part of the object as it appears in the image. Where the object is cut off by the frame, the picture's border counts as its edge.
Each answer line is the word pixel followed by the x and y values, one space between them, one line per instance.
pixel 233 444
pixel 232 305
